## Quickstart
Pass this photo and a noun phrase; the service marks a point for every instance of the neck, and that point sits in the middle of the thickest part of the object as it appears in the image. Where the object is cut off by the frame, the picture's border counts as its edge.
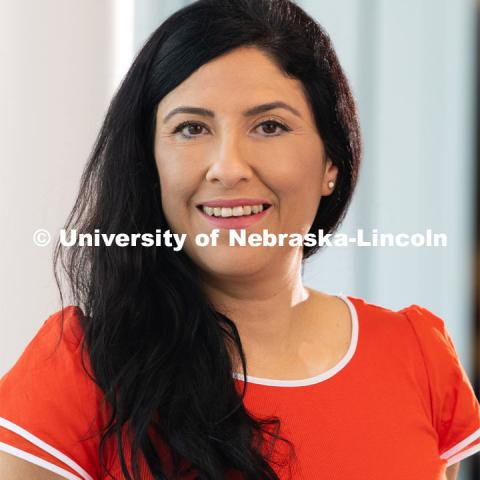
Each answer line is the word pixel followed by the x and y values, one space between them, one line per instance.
pixel 268 309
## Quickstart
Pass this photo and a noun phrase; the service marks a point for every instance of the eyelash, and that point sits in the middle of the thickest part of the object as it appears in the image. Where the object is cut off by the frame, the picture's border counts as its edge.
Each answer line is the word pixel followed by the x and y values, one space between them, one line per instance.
pixel 182 125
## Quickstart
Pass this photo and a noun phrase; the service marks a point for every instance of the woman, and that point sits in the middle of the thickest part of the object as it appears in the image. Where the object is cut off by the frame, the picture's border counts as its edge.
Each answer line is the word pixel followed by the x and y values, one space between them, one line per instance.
pixel 235 114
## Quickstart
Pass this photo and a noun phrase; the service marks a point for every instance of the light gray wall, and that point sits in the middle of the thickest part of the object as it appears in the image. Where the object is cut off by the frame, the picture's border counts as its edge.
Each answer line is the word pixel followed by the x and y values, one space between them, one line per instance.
pixel 55 83
pixel 411 65
pixel 149 14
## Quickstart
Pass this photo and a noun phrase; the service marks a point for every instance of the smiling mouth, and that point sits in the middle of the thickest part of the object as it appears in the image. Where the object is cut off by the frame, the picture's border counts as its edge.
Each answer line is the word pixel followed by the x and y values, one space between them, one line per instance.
pixel 237 211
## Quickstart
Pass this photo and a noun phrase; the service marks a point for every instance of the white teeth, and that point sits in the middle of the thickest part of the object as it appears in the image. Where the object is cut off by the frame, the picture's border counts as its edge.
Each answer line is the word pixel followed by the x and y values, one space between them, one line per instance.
pixel 237 211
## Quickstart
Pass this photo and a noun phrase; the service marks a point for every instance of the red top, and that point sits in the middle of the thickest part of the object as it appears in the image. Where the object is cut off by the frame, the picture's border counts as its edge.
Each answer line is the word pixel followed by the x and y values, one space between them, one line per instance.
pixel 398 405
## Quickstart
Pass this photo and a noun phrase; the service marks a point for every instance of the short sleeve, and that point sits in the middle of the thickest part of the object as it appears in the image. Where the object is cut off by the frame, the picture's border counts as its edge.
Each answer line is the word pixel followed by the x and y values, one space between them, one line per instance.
pixel 454 406
pixel 48 402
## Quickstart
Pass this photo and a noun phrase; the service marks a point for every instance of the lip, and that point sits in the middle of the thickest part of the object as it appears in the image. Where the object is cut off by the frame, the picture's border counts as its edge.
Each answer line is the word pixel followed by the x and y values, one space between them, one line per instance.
pixel 234 202
pixel 235 222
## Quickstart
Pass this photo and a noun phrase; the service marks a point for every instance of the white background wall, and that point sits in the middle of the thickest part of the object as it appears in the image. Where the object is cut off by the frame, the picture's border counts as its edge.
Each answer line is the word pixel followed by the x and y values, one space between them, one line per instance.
pixel 57 74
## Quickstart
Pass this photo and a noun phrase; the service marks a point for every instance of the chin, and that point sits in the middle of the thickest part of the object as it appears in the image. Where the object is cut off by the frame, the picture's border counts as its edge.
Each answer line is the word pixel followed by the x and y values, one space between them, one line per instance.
pixel 232 261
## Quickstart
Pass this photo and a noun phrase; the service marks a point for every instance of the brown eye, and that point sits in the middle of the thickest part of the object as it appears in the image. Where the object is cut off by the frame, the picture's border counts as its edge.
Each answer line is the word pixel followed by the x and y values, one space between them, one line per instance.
pixel 190 129
pixel 194 129
pixel 272 128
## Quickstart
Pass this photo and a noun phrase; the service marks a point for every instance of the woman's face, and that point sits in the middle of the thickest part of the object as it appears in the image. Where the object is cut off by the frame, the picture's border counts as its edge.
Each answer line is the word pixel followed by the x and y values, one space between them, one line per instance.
pixel 237 145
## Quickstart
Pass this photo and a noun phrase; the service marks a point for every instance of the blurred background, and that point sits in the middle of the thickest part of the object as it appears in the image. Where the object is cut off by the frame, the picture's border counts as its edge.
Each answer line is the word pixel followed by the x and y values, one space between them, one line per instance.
pixel 414 70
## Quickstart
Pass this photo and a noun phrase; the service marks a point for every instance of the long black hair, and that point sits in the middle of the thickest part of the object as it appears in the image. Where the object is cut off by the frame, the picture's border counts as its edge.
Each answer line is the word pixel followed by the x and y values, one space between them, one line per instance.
pixel 157 347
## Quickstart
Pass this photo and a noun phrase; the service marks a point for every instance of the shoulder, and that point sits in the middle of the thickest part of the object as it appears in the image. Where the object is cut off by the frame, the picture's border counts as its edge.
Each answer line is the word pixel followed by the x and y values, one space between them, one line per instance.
pixel 417 333
pixel 49 400
pixel 374 321
pixel 61 329
pixel 53 356
pixel 414 318
pixel 378 322
pixel 413 328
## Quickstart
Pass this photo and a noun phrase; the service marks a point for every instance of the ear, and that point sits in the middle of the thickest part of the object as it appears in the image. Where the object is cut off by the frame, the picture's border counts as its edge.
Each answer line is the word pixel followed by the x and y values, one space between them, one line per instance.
pixel 329 175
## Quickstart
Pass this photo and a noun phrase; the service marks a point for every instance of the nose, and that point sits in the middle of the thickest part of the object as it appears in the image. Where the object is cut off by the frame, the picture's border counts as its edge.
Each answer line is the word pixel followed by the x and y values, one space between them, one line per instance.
pixel 228 165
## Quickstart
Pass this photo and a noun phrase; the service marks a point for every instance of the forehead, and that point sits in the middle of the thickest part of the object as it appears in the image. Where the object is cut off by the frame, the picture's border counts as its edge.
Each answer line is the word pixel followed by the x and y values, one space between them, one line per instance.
pixel 244 76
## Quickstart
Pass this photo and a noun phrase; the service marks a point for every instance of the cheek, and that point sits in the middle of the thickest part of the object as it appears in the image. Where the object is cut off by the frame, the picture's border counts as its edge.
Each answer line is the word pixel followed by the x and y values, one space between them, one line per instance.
pixel 178 178
pixel 295 176
pixel 295 173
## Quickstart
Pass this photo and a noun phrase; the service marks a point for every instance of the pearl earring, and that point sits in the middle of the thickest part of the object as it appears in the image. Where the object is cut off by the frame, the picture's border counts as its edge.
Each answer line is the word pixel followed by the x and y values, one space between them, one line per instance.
pixel 331 184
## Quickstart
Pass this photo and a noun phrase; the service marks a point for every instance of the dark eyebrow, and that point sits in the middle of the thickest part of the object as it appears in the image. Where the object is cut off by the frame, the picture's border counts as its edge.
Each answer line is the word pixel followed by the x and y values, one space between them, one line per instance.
pixel 265 107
